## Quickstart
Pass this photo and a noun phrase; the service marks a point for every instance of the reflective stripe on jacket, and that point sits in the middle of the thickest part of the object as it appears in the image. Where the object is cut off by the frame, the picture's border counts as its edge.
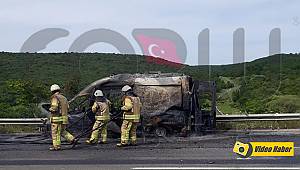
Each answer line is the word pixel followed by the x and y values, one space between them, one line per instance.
pixel 132 108
pixel 102 117
pixel 131 117
pixel 101 109
pixel 59 107
pixel 56 119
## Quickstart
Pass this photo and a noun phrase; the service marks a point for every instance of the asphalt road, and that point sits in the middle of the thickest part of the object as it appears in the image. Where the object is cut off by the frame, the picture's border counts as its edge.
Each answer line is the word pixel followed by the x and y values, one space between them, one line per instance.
pixel 210 151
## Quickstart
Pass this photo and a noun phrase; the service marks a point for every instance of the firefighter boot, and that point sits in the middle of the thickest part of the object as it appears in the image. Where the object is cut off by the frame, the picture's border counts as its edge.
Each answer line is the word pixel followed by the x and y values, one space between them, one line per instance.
pixel 52 148
pixel 91 142
pixel 122 144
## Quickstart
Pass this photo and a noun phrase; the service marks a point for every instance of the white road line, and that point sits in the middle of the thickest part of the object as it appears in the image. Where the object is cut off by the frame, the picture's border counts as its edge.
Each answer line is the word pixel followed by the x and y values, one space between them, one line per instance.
pixel 243 158
pixel 216 168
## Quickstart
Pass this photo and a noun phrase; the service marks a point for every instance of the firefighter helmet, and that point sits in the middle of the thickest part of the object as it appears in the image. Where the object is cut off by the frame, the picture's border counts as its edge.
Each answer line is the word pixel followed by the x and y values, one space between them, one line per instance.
pixel 126 88
pixel 54 87
pixel 98 93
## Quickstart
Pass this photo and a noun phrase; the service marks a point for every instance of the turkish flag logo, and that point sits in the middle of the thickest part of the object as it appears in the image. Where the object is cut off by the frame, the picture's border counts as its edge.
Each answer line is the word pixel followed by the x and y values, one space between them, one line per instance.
pixel 159 49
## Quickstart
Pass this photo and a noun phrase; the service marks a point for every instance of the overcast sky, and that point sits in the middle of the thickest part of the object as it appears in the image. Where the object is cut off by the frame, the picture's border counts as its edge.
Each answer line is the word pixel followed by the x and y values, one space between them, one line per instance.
pixel 20 19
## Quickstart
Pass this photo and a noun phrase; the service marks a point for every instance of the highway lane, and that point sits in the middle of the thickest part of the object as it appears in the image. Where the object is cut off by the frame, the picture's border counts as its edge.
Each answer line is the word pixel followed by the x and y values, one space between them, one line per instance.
pixel 206 151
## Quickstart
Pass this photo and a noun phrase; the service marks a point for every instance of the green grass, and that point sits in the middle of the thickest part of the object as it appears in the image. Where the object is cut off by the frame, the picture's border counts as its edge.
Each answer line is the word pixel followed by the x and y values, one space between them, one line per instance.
pixel 8 129
pixel 227 107
pixel 250 125
pixel 282 103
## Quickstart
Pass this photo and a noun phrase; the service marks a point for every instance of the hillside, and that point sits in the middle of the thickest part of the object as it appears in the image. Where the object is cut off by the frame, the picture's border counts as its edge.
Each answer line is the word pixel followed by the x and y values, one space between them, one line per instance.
pixel 267 85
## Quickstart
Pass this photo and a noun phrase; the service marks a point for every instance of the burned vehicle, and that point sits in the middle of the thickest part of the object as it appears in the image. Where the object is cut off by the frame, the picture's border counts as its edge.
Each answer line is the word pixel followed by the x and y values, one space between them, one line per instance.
pixel 172 103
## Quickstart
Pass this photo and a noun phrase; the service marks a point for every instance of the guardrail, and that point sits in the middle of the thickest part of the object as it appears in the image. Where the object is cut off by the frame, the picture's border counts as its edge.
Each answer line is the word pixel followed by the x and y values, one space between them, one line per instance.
pixel 258 117
pixel 25 121
pixel 220 118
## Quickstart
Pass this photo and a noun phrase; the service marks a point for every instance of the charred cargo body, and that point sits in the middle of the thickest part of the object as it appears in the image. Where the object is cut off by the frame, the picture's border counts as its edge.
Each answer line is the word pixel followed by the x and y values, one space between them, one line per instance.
pixel 170 103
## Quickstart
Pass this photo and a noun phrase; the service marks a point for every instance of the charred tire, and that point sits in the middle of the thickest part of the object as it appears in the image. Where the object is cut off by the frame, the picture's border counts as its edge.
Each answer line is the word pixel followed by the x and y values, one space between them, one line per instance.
pixel 160 131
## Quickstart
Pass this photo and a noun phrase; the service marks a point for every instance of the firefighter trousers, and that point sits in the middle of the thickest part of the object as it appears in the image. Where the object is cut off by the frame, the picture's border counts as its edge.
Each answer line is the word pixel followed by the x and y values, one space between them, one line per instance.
pixel 58 129
pixel 95 134
pixel 55 131
pixel 65 134
pixel 128 131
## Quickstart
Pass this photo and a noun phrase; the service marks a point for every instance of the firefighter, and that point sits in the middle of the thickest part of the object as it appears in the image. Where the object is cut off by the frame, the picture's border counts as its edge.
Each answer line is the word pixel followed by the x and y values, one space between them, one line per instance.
pixel 101 109
pixel 131 116
pixel 59 118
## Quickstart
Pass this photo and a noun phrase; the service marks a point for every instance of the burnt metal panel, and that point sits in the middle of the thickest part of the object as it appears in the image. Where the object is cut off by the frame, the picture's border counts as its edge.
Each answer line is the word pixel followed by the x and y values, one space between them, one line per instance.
pixel 158 99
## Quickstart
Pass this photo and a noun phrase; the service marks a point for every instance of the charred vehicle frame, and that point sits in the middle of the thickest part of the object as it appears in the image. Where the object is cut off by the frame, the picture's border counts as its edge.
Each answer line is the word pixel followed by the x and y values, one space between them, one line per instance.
pixel 172 103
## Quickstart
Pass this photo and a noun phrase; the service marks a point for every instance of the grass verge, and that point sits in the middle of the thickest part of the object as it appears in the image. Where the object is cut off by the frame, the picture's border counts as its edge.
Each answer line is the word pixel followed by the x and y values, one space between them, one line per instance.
pixel 249 125
pixel 5 129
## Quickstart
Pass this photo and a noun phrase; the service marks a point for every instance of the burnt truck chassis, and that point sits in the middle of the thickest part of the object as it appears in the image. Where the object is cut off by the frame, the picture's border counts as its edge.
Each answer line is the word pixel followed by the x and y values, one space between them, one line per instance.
pixel 171 103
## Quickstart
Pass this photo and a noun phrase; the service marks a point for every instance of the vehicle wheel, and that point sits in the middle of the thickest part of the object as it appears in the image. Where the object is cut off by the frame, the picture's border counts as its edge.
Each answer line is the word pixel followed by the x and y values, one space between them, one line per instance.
pixel 161 132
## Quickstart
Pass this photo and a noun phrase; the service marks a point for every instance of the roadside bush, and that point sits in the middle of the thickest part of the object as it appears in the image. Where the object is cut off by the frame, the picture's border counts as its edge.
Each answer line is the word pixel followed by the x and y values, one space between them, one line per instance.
pixel 20 98
pixel 284 104
pixel 254 107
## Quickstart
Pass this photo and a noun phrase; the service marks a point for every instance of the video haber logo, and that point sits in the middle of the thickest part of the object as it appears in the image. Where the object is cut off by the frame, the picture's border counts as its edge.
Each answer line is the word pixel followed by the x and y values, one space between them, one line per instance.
pixel 245 150
pixel 159 48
